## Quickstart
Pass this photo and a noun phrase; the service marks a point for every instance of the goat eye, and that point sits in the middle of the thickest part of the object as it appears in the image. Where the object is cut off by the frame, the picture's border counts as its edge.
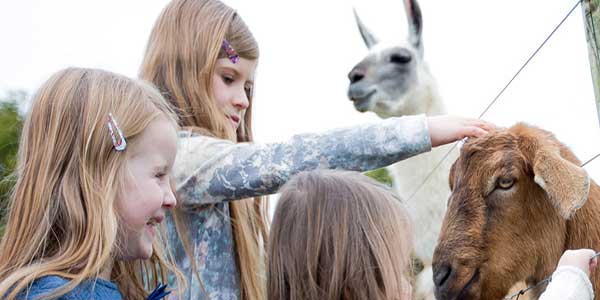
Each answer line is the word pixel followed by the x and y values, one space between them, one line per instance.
pixel 400 58
pixel 505 183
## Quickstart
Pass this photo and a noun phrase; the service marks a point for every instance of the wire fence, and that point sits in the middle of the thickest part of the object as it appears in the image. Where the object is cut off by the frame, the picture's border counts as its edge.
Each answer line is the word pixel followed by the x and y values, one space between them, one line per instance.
pixel 494 100
pixel 523 66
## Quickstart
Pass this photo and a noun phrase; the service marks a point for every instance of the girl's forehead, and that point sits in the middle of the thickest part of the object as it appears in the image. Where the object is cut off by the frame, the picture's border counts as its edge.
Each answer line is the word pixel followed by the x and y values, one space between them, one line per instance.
pixel 243 66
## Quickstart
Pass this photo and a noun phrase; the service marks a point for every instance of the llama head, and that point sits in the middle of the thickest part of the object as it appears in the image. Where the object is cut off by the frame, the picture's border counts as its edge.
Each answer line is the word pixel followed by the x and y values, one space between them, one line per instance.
pixel 393 79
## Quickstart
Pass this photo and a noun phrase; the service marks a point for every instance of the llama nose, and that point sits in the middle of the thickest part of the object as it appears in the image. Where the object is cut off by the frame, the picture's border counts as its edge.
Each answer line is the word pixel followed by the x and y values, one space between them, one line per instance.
pixel 356 75
pixel 441 273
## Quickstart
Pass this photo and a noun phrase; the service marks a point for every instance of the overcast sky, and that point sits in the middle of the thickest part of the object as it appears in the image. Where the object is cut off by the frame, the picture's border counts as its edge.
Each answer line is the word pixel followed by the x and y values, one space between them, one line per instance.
pixel 307 47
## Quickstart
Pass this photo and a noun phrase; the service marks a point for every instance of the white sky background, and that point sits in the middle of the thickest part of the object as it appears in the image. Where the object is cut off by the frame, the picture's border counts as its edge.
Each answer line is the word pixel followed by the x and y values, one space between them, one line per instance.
pixel 307 48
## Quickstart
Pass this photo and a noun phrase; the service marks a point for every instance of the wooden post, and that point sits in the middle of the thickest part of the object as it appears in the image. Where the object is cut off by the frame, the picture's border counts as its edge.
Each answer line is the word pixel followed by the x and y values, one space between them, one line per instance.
pixel 591 18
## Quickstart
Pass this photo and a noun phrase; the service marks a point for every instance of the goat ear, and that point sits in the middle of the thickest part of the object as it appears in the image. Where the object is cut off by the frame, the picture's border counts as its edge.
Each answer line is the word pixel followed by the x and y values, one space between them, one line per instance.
pixel 415 23
pixel 368 37
pixel 566 184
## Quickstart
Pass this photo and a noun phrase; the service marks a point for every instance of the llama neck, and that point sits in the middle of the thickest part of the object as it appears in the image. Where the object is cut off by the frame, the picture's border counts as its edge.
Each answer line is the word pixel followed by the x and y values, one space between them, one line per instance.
pixel 412 172
pixel 432 101
pixel 435 105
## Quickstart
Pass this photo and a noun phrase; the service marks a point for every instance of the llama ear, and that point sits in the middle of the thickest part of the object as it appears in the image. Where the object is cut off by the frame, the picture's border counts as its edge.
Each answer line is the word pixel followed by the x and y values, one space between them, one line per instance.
pixel 368 37
pixel 415 23
pixel 566 184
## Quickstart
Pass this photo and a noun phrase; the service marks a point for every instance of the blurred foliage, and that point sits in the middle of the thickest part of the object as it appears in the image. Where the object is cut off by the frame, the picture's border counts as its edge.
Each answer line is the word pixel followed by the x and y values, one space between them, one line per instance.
pixel 10 129
pixel 382 175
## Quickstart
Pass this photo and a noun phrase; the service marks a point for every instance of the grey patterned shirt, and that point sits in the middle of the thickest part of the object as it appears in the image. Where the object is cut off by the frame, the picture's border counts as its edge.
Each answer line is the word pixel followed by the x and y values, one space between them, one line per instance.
pixel 209 172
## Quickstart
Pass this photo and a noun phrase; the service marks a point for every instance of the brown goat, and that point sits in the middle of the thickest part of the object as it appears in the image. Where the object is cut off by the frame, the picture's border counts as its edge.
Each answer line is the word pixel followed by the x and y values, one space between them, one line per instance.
pixel 516 206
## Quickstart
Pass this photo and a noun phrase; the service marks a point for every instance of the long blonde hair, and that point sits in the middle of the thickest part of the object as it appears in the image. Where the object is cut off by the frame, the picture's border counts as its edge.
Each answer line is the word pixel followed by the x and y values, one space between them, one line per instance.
pixel 180 59
pixel 338 235
pixel 62 219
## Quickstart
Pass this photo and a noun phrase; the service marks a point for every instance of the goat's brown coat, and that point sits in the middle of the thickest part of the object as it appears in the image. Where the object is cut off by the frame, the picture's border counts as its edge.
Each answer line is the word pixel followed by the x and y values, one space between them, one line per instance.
pixel 491 237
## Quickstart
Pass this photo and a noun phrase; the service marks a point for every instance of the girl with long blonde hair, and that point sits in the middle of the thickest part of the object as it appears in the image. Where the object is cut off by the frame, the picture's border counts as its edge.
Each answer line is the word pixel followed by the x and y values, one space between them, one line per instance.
pixel 203 58
pixel 92 189
pixel 339 235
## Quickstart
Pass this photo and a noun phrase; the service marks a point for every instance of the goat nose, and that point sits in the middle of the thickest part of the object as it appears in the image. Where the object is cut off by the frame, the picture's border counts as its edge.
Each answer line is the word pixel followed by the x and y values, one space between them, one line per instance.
pixel 356 75
pixel 441 273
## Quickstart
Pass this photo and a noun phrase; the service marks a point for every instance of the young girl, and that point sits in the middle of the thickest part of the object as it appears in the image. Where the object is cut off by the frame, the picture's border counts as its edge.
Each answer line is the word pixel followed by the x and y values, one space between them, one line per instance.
pixel 203 58
pixel 338 235
pixel 92 188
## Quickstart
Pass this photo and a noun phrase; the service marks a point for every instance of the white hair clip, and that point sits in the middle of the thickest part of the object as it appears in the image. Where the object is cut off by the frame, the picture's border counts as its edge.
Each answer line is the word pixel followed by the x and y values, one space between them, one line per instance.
pixel 116 134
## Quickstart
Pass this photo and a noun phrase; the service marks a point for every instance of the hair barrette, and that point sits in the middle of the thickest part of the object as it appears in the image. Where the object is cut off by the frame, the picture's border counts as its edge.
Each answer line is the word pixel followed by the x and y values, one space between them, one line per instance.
pixel 116 134
pixel 230 52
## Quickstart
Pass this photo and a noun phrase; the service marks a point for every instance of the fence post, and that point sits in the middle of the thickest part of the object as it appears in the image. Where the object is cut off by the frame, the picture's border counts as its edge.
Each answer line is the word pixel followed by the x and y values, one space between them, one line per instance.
pixel 591 18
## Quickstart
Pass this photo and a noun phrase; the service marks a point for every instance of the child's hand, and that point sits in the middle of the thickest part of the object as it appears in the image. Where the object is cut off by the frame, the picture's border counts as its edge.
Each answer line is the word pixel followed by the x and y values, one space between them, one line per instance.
pixel 580 259
pixel 447 129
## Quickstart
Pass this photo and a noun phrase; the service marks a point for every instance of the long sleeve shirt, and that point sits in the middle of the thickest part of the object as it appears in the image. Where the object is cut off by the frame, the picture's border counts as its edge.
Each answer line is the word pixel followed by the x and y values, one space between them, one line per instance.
pixel 209 172
pixel 569 283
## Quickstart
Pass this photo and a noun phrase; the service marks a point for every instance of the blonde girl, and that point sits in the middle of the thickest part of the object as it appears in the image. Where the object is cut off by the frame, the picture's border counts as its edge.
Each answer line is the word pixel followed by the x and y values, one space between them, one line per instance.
pixel 92 187
pixel 338 236
pixel 203 57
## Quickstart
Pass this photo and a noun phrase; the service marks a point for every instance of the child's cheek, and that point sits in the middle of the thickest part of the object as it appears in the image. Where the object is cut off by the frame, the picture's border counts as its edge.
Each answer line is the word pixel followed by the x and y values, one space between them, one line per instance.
pixel 406 289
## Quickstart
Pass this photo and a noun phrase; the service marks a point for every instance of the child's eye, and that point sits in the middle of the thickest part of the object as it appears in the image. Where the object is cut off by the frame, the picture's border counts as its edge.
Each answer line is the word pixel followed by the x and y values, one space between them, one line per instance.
pixel 227 79
pixel 160 175
pixel 248 90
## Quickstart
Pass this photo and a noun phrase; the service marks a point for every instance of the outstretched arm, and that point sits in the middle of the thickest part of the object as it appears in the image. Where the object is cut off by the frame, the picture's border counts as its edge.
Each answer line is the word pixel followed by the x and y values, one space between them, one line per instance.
pixel 210 170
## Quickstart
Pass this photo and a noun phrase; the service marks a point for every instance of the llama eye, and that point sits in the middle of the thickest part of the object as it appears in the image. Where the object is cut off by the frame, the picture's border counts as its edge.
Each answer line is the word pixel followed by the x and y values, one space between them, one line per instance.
pixel 505 183
pixel 400 58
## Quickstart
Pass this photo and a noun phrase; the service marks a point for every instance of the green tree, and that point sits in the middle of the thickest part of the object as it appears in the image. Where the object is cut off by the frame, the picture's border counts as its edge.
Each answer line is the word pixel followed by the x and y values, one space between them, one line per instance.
pixel 11 123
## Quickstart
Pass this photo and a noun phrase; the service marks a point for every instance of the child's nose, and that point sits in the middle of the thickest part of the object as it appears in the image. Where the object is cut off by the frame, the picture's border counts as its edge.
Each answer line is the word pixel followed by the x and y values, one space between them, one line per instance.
pixel 241 102
pixel 169 200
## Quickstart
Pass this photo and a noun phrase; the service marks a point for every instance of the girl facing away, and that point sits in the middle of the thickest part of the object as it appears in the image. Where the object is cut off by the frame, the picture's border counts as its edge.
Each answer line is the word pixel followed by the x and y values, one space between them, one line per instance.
pixel 339 235
pixel 92 188
pixel 203 58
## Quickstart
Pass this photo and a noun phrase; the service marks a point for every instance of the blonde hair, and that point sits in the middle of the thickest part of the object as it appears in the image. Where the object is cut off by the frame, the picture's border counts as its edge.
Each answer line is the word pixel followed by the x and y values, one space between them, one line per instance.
pixel 62 219
pixel 180 59
pixel 338 235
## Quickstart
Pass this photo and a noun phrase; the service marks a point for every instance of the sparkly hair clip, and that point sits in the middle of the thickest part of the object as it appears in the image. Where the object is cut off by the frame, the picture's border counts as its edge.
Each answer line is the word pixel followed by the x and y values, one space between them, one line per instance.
pixel 116 134
pixel 230 52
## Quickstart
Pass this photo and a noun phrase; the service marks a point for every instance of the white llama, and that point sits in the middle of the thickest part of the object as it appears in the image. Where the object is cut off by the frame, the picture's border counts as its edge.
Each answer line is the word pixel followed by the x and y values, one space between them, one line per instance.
pixel 394 80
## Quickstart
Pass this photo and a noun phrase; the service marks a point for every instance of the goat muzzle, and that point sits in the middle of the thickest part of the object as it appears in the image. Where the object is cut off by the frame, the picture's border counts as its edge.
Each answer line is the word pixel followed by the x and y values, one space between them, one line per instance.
pixel 455 283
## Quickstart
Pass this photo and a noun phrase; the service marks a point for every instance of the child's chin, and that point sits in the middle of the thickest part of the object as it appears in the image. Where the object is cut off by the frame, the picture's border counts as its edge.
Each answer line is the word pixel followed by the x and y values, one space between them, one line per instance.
pixel 146 253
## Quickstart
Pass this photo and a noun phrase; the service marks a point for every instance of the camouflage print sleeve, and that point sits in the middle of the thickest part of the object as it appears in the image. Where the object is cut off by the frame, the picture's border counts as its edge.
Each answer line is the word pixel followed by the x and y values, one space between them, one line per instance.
pixel 210 170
